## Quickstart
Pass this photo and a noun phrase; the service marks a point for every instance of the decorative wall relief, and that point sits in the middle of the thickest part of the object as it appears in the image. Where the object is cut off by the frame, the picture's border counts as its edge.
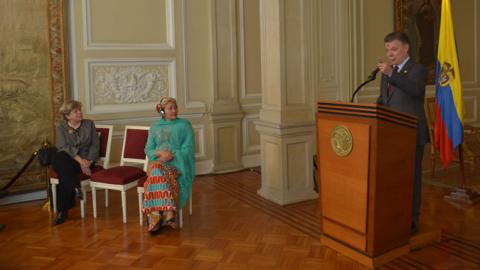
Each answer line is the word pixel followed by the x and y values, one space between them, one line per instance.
pixel 129 84
pixel 114 85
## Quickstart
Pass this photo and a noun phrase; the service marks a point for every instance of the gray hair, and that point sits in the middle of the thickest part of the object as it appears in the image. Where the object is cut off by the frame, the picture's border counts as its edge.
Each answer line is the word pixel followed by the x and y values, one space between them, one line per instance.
pixel 400 36
pixel 68 107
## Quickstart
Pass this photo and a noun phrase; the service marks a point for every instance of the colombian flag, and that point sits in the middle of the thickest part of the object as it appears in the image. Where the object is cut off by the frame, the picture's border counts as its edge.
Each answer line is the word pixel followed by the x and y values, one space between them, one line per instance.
pixel 448 91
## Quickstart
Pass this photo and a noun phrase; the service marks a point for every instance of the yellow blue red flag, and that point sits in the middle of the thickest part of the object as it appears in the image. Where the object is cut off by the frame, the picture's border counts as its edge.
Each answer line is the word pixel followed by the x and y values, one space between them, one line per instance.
pixel 448 91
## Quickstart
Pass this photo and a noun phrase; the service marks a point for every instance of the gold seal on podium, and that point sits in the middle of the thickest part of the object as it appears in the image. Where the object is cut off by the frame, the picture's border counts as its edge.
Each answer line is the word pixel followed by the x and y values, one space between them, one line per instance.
pixel 341 140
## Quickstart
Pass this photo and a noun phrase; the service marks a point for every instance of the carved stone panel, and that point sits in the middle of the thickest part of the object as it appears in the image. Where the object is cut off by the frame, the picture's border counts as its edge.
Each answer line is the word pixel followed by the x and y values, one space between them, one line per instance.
pixel 119 86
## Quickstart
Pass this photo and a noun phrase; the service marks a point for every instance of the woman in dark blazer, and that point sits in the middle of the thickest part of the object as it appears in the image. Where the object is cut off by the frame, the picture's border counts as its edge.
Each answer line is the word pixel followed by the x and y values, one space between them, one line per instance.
pixel 78 147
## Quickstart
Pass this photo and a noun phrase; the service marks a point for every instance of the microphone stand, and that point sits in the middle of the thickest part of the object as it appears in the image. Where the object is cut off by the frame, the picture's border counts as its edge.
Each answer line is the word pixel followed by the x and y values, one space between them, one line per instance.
pixel 370 78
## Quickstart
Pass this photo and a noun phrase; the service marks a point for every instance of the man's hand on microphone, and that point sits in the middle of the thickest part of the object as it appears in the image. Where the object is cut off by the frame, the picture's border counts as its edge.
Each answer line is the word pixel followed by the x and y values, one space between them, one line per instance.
pixel 384 67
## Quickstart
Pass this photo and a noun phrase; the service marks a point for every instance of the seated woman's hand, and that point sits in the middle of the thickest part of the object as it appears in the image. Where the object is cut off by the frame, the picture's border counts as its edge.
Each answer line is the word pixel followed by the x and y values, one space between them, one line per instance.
pixel 85 166
pixel 86 170
pixel 85 163
pixel 164 156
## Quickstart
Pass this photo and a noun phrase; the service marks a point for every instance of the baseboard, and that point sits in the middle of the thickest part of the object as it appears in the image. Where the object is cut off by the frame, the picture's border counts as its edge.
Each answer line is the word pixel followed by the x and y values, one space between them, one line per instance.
pixel 21 197
pixel 250 161
pixel 204 167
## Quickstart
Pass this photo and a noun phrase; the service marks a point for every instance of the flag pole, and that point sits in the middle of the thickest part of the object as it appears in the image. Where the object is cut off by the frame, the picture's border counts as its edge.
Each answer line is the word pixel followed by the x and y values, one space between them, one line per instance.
pixel 463 181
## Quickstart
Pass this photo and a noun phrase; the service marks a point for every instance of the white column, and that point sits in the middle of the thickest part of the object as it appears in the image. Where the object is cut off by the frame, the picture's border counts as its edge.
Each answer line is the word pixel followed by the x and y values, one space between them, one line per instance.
pixel 286 125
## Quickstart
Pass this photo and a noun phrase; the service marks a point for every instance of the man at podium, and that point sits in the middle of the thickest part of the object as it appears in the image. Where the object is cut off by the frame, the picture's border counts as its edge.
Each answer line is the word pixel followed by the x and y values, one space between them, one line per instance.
pixel 403 88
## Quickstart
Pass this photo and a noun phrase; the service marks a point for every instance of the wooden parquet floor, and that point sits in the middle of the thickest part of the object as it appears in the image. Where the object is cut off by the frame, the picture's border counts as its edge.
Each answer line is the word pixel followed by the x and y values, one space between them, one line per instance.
pixel 231 228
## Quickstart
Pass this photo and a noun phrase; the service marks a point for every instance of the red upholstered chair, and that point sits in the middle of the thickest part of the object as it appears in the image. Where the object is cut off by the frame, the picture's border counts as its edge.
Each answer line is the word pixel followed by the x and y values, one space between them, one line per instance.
pixel 123 177
pixel 141 191
pixel 105 132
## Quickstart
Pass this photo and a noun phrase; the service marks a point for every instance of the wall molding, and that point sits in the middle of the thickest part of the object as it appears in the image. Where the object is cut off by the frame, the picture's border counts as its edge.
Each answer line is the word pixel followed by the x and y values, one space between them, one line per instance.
pixel 201 141
pixel 148 119
pixel 475 82
pixel 333 40
pixel 241 53
pixel 472 100
pixel 224 45
pixel 227 145
pixel 251 106
pixel 90 44
pixel 188 104
pixel 247 147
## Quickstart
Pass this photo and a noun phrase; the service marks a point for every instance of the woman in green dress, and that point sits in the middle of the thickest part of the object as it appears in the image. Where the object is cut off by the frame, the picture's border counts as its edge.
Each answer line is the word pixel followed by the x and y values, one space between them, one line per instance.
pixel 170 150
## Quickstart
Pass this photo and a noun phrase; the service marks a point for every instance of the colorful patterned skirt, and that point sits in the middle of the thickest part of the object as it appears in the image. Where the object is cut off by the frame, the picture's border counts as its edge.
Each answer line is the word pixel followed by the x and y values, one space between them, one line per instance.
pixel 161 188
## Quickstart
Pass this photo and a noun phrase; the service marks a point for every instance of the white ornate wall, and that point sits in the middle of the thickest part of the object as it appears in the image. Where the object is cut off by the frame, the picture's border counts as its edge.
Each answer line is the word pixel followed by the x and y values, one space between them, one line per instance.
pixel 201 52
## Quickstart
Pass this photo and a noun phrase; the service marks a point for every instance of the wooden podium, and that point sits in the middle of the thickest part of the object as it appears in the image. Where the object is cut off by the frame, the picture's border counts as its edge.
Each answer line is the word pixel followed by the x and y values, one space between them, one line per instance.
pixel 366 155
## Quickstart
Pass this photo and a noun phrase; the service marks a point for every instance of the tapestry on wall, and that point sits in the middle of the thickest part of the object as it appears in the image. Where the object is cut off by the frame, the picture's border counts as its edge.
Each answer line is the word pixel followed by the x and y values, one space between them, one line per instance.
pixel 26 83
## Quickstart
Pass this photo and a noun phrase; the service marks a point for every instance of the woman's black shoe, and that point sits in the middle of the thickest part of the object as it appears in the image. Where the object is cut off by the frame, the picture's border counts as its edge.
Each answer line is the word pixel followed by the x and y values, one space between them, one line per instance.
pixel 61 217
pixel 78 194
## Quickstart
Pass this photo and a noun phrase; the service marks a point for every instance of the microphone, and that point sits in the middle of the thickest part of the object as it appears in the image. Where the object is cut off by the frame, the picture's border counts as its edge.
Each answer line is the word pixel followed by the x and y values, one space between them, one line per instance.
pixel 373 75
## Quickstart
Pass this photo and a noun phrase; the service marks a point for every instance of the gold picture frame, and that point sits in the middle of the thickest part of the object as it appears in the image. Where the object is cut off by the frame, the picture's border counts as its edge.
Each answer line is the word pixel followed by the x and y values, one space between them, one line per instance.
pixel 420 20
pixel 58 55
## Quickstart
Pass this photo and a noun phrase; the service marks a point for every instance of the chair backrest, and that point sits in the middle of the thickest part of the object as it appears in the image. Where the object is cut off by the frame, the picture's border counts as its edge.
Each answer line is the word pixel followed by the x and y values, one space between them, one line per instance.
pixel 105 132
pixel 133 149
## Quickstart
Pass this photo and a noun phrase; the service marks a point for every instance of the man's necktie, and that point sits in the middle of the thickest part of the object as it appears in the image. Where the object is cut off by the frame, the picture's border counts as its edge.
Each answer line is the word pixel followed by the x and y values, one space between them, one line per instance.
pixel 389 86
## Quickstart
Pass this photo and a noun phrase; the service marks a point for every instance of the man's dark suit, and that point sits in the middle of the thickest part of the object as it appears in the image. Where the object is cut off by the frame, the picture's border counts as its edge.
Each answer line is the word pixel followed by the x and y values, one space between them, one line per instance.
pixel 407 95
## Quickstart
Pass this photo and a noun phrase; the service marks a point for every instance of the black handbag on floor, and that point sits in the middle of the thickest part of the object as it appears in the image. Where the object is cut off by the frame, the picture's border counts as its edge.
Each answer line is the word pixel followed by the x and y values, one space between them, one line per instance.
pixel 45 155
